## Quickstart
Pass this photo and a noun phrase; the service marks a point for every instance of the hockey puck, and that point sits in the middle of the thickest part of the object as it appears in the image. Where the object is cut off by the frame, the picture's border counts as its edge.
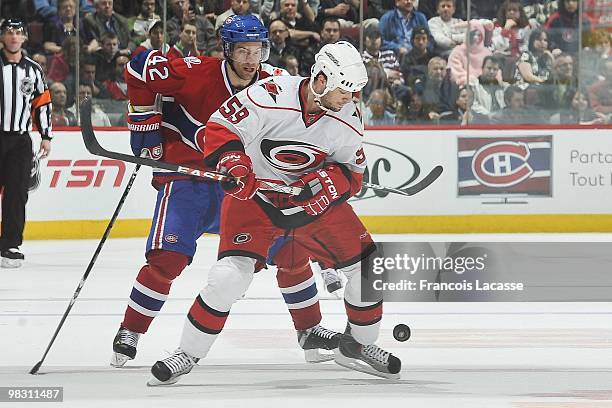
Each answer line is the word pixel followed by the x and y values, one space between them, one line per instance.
pixel 401 332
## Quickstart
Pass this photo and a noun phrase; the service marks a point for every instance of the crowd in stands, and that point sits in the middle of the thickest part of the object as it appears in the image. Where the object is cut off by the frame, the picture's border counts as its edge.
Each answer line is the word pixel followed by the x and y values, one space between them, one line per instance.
pixel 513 62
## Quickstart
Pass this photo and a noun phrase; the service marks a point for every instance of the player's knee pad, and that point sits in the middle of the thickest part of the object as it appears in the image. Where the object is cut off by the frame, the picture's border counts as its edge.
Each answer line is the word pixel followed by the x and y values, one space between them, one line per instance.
pixel 228 279
pixel 166 264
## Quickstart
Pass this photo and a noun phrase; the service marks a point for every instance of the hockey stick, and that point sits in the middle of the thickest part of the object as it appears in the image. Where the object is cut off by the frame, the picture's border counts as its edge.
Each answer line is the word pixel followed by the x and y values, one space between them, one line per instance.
pixel 92 145
pixel 413 189
pixel 34 370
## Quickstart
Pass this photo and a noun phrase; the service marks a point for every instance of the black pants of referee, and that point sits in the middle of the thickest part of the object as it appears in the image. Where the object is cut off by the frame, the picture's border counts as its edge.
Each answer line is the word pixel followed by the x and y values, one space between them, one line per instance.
pixel 15 167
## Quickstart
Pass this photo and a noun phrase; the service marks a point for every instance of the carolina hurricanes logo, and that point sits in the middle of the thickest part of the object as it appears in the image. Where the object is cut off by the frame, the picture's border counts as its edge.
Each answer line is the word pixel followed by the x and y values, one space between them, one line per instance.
pixel 271 88
pixel 290 156
pixel 502 164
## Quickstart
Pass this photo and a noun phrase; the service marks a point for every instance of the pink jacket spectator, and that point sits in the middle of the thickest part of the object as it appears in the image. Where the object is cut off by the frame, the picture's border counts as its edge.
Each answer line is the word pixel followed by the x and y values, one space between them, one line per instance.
pixel 458 58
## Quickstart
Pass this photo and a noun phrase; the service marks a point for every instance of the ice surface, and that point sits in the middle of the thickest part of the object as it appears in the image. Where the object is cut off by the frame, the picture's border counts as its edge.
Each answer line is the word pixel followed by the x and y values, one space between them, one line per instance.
pixel 460 355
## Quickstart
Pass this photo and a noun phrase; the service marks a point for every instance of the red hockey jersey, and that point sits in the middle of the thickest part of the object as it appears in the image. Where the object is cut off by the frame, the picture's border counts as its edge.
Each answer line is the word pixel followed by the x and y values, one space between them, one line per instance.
pixel 192 88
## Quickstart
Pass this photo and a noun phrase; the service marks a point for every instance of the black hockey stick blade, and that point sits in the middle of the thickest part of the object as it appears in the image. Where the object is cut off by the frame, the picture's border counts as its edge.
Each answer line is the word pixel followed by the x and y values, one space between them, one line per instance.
pixel 93 147
pixel 412 190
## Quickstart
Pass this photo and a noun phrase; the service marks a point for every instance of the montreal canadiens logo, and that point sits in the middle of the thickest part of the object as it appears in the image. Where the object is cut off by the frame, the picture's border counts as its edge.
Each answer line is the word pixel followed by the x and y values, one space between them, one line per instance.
pixel 502 164
pixel 290 156
pixel 171 239
pixel 242 238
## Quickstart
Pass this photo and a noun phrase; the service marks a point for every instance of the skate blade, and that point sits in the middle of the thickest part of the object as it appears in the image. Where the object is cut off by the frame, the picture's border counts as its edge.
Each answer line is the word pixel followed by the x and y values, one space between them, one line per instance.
pixel 315 356
pixel 118 360
pixel 10 263
pixel 154 382
pixel 354 364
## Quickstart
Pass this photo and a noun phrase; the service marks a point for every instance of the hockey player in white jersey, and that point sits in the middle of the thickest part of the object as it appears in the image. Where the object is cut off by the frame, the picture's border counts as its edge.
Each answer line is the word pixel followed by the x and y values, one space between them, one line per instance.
pixel 304 132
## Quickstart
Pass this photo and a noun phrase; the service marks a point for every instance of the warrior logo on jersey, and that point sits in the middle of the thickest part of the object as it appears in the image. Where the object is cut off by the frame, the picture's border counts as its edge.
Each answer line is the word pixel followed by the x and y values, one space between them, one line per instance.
pixel 292 157
pixel 271 88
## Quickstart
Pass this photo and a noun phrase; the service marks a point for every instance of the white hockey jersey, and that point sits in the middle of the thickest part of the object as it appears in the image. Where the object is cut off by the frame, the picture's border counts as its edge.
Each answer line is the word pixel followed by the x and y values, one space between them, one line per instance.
pixel 283 141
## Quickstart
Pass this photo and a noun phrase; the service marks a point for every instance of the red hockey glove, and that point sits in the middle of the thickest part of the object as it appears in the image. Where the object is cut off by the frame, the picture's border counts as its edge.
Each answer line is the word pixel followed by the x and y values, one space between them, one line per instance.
pixel 145 134
pixel 238 164
pixel 321 188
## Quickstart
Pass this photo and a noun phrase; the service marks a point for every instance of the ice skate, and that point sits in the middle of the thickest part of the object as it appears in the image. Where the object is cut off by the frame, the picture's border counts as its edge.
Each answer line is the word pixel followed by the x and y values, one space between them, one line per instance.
pixel 316 339
pixel 332 280
pixel 11 258
pixel 124 347
pixel 369 359
pixel 169 370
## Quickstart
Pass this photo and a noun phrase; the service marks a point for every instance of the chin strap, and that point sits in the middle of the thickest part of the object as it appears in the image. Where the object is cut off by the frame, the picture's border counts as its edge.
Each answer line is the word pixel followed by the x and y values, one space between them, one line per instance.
pixel 318 96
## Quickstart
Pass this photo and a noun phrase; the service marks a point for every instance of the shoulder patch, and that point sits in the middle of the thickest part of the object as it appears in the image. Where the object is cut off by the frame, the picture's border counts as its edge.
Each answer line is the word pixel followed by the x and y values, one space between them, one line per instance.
pixel 272 88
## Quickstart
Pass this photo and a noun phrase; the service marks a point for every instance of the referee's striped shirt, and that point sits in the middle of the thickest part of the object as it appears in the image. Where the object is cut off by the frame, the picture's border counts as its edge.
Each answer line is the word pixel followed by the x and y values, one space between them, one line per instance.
pixel 24 97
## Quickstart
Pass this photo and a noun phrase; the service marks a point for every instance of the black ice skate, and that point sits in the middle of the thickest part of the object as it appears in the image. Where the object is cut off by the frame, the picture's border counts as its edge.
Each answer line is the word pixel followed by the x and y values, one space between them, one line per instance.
pixel 124 347
pixel 169 370
pixel 369 359
pixel 316 339
pixel 11 258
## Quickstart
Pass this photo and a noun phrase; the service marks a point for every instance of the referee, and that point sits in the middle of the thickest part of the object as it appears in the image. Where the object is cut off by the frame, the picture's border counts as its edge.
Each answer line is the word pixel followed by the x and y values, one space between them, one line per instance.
pixel 23 97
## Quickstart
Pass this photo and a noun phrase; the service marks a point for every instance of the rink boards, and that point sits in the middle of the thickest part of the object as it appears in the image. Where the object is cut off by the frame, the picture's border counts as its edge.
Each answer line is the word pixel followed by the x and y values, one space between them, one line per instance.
pixel 510 180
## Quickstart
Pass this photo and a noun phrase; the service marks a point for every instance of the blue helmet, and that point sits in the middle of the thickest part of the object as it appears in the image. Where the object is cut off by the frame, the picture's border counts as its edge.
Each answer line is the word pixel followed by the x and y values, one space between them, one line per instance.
pixel 248 28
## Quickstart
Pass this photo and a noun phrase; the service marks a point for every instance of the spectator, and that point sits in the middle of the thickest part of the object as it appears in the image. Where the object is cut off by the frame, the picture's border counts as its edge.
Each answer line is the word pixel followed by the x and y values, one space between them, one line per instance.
pixel 105 20
pixel 377 79
pixel 446 30
pixel 375 113
pixel 553 92
pixel 514 112
pixel 431 9
pixel 210 9
pixel 459 112
pixel 346 11
pixel 237 8
pixel 217 52
pixel 512 29
pixel 411 110
pixel 155 39
pixel 534 65
pixel 186 45
pixel 576 110
pixel 396 27
pixel 439 92
pixel 488 91
pixel 291 64
pixel 205 31
pixel 563 27
pixel 139 26
pixel 279 42
pixel 41 59
pixel 414 65
pixel 330 34
pixel 594 56
pixel 302 31
pixel 47 9
pixel 116 87
pixel 64 63
pixel 484 9
pixel 460 60
pixel 98 117
pixel 386 58
pixel 600 93
pixel 60 26
pixel 59 115
pixel 105 56
pixel 87 76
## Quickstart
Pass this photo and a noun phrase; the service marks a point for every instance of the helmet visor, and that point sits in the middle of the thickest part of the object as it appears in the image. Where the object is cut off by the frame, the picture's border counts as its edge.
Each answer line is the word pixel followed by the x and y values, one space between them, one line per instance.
pixel 243 53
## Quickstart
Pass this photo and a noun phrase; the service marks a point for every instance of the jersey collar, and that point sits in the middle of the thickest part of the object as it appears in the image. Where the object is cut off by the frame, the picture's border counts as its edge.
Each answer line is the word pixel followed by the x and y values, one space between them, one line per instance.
pixel 307 118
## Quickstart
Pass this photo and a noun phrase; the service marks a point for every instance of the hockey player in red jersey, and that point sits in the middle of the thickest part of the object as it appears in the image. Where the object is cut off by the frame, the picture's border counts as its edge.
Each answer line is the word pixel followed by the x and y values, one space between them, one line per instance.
pixel 304 132
pixel 194 88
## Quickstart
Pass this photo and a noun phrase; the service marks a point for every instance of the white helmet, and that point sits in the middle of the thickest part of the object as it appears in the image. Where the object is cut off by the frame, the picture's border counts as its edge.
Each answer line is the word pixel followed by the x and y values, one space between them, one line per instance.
pixel 343 67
